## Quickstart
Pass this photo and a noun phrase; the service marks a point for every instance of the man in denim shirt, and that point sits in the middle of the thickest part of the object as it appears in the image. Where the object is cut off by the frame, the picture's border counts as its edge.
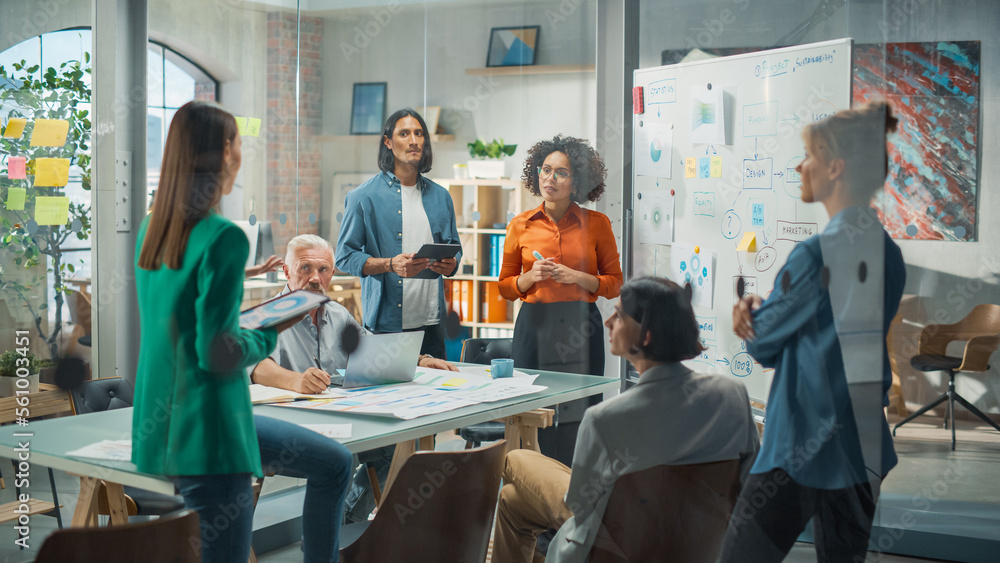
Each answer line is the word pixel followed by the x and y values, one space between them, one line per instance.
pixel 386 220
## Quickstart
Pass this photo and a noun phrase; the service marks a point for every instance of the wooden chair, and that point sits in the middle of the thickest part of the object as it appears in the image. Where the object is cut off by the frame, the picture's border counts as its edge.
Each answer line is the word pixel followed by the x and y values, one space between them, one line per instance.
pixel 440 506
pixel 980 330
pixel 174 538
pixel 680 510
pixel 79 313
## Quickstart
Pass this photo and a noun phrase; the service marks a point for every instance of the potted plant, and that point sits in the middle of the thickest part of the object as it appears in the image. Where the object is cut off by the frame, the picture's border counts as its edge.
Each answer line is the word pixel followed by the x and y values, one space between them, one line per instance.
pixel 489 163
pixel 62 93
pixel 9 372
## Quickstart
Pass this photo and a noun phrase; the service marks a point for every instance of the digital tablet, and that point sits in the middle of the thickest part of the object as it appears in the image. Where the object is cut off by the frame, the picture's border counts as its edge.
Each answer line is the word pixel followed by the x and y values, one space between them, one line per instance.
pixel 281 308
pixel 437 252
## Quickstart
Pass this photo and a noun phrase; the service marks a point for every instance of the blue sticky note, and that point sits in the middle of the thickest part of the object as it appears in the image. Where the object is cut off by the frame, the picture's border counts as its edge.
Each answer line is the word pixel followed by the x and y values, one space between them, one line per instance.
pixel 757 210
pixel 704 167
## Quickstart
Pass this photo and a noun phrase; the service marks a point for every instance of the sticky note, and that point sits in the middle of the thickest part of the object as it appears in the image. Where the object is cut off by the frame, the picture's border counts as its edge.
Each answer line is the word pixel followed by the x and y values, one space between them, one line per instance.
pixel 690 167
pixel 15 127
pixel 455 382
pixel 241 125
pixel 16 167
pixel 749 242
pixel 49 133
pixel 51 172
pixel 253 126
pixel 15 198
pixel 51 210
pixel 716 166
pixel 703 167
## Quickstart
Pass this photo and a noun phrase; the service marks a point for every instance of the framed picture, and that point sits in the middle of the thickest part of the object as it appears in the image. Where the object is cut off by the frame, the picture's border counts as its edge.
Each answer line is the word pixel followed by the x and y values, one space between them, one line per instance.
pixel 368 108
pixel 431 115
pixel 513 46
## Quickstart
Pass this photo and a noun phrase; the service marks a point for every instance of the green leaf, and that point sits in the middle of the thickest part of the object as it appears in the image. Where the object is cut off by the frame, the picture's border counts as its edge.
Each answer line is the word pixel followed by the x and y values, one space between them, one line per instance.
pixel 86 57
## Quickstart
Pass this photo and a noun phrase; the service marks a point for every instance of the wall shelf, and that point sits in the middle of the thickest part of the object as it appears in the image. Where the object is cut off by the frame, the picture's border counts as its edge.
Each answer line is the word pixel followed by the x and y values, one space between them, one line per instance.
pixel 533 69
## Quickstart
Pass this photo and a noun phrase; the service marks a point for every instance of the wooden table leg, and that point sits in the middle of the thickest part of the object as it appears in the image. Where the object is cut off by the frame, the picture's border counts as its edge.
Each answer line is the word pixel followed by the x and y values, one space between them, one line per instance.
pixel 116 503
pixel 521 430
pixel 403 452
pixel 86 506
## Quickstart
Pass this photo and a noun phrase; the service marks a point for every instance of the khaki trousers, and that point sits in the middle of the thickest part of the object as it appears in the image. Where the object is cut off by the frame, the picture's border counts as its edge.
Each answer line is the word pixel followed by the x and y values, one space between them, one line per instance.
pixel 531 501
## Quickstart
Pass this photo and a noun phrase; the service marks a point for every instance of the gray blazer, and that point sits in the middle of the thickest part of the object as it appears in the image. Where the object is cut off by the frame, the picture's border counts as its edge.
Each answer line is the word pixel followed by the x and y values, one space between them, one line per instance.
pixel 674 416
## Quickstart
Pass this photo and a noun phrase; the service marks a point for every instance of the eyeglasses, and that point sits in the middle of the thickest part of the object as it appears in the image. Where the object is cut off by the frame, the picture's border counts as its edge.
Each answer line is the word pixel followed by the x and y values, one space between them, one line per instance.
pixel 562 174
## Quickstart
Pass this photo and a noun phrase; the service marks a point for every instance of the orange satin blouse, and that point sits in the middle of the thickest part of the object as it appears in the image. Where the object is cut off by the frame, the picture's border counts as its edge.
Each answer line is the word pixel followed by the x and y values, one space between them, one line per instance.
pixel 583 240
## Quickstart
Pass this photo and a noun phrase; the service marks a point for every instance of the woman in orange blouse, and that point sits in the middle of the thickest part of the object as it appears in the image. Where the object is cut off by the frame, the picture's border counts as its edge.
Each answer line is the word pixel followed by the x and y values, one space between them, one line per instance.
pixel 559 327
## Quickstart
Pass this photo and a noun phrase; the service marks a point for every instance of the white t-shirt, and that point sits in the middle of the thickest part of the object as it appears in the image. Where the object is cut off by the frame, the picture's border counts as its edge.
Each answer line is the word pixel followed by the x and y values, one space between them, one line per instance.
pixel 420 297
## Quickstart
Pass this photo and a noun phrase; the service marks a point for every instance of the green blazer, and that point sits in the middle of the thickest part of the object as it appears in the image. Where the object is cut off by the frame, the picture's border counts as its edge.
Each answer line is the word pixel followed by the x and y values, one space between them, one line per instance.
pixel 192 403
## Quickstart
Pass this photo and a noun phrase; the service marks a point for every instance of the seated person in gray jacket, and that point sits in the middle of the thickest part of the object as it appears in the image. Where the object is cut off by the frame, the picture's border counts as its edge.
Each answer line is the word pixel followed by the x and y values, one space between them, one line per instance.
pixel 674 416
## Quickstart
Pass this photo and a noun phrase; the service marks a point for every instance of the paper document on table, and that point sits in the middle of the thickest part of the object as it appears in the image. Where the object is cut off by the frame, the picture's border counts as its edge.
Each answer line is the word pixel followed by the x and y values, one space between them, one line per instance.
pixel 114 450
pixel 330 430
pixel 263 395
pixel 478 388
pixel 484 371
pixel 404 401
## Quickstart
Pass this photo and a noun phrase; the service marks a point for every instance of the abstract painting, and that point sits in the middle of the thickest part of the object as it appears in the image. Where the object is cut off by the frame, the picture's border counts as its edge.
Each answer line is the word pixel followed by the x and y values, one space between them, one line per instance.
pixel 513 46
pixel 932 190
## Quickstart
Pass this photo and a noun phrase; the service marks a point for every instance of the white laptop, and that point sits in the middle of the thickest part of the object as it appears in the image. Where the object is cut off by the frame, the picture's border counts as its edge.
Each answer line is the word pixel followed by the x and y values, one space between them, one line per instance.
pixel 383 358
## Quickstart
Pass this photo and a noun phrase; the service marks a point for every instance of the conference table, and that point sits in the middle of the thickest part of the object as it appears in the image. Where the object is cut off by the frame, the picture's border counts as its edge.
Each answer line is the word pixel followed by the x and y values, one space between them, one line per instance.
pixel 48 441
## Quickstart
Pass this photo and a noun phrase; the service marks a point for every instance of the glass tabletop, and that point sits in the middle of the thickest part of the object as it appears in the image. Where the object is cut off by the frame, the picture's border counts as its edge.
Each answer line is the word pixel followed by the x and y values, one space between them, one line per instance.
pixel 50 440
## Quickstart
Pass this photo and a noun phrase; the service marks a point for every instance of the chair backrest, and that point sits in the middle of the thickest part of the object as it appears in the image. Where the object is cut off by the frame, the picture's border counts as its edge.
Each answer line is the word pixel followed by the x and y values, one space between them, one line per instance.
pixel 439 508
pixel 681 510
pixel 482 350
pixel 174 538
pixel 79 309
pixel 104 394
pixel 982 324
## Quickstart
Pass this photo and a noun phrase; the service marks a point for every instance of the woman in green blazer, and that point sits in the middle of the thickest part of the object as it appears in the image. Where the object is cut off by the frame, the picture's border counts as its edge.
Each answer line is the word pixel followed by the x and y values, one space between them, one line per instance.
pixel 192 419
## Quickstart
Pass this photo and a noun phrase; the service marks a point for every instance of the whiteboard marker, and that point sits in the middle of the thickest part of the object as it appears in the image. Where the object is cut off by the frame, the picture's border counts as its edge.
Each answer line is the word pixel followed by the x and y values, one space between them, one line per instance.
pixel 537 254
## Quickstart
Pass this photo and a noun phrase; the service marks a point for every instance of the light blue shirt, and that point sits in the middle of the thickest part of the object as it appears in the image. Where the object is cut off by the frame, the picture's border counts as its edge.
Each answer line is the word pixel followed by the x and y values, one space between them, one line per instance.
pixel 373 228
pixel 810 431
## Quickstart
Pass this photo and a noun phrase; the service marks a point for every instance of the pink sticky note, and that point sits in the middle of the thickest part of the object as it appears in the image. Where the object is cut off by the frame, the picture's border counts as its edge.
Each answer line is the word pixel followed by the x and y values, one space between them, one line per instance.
pixel 16 167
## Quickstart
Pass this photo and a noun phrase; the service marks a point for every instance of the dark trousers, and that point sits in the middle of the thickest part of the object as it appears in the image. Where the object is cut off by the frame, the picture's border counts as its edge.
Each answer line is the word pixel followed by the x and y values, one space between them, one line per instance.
pixel 433 343
pixel 566 337
pixel 773 510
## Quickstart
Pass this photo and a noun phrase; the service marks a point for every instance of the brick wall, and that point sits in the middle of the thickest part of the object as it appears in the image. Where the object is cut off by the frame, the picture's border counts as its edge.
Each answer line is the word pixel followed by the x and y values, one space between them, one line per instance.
pixel 279 124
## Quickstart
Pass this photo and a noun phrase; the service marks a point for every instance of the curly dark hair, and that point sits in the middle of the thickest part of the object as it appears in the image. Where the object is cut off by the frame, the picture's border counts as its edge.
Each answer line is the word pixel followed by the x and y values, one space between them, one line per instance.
pixel 588 170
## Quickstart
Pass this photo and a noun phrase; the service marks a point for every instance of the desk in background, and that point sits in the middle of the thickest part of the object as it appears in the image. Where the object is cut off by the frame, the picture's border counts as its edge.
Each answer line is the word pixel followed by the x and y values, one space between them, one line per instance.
pixel 53 438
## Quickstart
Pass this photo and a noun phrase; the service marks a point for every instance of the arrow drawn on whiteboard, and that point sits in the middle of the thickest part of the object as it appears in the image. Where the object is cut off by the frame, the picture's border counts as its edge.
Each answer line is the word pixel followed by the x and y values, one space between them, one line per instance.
pixel 710 148
pixel 657 111
pixel 755 139
pixel 763 235
pixel 723 360
pixel 779 174
pixel 794 118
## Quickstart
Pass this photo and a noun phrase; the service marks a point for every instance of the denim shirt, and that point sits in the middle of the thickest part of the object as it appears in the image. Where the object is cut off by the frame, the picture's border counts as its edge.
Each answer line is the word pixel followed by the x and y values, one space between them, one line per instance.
pixel 811 429
pixel 373 228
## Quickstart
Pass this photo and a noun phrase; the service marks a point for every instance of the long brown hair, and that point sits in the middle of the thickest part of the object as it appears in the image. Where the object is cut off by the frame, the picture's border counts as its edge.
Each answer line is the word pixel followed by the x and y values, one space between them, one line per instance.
pixel 191 179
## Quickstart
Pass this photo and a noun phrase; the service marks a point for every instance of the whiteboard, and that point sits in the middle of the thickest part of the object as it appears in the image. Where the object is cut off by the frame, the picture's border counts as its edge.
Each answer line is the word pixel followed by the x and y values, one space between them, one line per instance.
pixel 724 136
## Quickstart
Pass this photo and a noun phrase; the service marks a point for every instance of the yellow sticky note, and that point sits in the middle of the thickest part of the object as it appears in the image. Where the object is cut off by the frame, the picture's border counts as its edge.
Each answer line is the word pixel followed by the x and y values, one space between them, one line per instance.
pixel 749 242
pixel 51 172
pixel 716 167
pixel 15 127
pixel 253 126
pixel 15 198
pixel 49 133
pixel 690 167
pixel 51 210
pixel 454 382
pixel 241 125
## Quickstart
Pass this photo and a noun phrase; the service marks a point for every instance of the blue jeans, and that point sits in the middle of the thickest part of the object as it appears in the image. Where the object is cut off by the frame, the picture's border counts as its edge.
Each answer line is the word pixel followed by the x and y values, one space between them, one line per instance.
pixel 360 497
pixel 293 451
pixel 225 507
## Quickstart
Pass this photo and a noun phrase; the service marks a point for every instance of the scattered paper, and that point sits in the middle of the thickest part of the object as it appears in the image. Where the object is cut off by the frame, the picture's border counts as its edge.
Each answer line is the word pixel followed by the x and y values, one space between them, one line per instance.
pixel 695 267
pixel 334 431
pixel 51 210
pixel 114 450
pixel 655 218
pixel 241 125
pixel 16 168
pixel 51 172
pixel 253 126
pixel 15 127
pixel 15 198
pixel 748 243
pixel 49 133
pixel 263 395
pixel 653 149
pixel 708 116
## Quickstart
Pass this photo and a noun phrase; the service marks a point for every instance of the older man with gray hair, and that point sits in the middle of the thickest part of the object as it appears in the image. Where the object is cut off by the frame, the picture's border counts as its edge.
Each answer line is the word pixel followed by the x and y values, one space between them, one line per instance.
pixel 308 352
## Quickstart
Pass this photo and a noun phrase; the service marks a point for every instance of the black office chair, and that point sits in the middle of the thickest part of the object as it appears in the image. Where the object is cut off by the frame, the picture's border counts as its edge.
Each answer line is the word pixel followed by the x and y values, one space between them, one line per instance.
pixel 115 393
pixel 482 351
